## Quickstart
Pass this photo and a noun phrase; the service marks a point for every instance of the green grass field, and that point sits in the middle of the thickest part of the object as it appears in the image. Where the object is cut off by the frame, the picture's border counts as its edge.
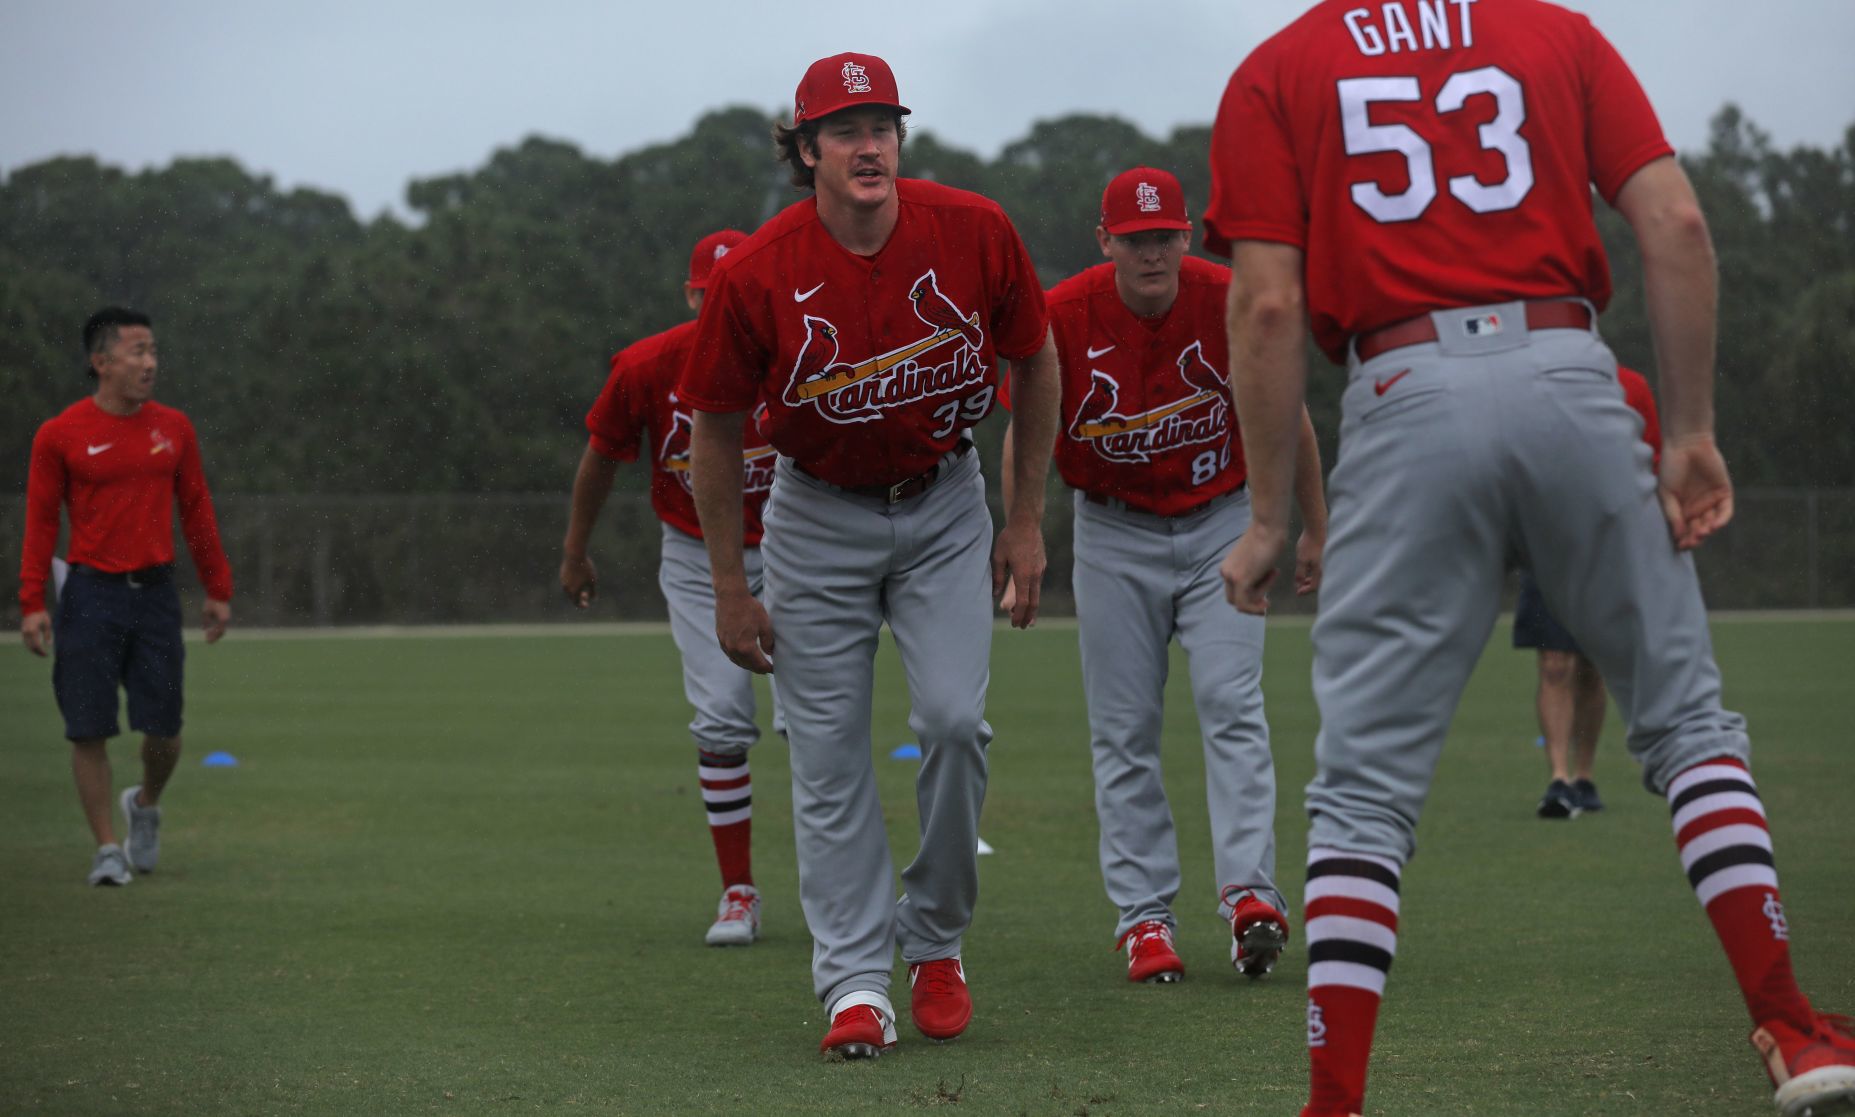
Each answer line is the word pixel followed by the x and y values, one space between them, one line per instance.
pixel 471 875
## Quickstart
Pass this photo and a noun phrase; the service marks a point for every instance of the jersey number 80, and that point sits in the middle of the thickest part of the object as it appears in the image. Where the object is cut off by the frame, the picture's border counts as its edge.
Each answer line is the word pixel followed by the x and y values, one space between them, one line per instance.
pixel 1502 134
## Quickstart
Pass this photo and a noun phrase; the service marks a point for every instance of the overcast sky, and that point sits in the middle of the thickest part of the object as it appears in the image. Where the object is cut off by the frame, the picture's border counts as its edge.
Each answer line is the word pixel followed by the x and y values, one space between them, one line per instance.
pixel 358 97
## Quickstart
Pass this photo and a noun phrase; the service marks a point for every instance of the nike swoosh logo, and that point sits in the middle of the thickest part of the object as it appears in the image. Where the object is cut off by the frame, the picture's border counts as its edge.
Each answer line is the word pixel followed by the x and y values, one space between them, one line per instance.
pixel 1094 352
pixel 1383 386
pixel 798 298
pixel 95 450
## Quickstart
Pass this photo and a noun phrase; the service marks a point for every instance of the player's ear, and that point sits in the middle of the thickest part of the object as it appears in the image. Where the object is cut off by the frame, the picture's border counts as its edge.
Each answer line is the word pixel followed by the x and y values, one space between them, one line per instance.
pixel 1102 237
pixel 693 296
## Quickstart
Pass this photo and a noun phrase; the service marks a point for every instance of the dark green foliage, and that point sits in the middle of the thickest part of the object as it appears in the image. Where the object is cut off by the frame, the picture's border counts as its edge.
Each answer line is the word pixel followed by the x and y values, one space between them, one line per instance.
pixel 460 352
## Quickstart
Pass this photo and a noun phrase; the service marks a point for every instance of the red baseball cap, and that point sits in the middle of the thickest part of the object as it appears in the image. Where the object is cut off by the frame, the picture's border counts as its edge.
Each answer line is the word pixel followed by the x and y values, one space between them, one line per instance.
pixel 708 250
pixel 1141 199
pixel 844 81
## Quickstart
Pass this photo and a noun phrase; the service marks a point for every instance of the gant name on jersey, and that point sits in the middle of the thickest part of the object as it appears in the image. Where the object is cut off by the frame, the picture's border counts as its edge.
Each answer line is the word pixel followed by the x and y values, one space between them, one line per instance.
pixel 1392 30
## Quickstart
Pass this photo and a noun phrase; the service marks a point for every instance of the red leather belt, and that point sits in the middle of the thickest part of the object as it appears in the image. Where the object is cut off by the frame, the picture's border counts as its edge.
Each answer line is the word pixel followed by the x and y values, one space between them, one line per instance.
pixel 1546 314
pixel 907 486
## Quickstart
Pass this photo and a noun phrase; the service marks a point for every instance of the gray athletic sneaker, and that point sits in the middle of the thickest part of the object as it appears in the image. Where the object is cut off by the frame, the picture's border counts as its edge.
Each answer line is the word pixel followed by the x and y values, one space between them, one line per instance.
pixel 143 844
pixel 110 866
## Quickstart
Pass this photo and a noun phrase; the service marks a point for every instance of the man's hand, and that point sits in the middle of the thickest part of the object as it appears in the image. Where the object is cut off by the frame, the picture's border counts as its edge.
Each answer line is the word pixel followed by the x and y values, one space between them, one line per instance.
pixel 1249 568
pixel 36 630
pixel 744 631
pixel 578 579
pixel 215 615
pixel 1696 493
pixel 1018 558
pixel 1307 562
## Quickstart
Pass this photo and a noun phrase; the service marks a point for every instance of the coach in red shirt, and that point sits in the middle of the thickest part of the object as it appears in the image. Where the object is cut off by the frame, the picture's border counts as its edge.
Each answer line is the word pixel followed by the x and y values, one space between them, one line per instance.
pixel 119 462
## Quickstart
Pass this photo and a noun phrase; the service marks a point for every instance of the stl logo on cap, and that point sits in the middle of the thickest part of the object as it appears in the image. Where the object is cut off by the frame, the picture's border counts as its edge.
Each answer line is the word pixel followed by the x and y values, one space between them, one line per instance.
pixel 856 80
pixel 1146 195
pixel 720 251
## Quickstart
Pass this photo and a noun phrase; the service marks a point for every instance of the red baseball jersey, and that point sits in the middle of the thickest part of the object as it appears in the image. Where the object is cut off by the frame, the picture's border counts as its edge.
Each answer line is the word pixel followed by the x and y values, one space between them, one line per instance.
pixel 1146 412
pixel 119 475
pixel 1428 154
pixel 639 405
pixel 1636 393
pixel 870 366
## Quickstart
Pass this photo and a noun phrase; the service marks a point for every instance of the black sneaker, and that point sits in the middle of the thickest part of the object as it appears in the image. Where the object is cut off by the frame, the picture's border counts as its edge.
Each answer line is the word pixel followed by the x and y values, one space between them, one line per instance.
pixel 1584 793
pixel 1559 801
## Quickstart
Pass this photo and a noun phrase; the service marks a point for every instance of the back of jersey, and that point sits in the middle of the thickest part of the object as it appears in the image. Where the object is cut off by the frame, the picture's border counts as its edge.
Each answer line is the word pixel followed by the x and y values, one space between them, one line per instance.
pixel 1429 154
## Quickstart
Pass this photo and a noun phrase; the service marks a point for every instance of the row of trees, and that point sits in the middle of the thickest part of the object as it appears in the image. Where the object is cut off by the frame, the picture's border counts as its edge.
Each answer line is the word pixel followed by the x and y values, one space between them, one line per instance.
pixel 458 353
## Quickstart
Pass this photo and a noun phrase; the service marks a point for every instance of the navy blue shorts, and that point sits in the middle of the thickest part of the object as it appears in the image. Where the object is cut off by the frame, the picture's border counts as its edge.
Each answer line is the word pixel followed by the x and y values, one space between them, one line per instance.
pixel 1535 626
pixel 109 634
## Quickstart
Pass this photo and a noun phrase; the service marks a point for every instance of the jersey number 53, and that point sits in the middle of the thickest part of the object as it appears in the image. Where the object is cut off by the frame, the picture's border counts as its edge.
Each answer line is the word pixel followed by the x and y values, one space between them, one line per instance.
pixel 1502 134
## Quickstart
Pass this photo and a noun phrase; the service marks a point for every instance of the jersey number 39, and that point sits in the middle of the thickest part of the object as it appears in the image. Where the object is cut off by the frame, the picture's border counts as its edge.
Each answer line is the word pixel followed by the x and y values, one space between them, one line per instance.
pixel 1502 134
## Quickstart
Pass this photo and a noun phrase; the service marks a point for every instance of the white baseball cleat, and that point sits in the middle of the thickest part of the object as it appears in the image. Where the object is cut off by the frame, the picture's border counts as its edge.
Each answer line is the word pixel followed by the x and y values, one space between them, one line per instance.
pixel 737 918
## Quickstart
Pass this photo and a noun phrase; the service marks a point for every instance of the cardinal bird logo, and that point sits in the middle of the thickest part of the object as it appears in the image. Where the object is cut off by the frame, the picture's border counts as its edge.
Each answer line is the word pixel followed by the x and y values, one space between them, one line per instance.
pixel 673 453
pixel 938 311
pixel 1200 415
pixel 859 392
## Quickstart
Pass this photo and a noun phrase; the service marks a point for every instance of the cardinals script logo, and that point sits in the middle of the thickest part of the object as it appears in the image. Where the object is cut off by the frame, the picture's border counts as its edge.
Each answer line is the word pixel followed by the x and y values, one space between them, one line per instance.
pixel 945 360
pixel 673 455
pixel 1201 415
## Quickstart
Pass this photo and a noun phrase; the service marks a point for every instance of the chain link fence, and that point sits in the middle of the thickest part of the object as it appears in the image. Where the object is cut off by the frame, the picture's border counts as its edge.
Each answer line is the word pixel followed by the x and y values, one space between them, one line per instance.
pixel 485 558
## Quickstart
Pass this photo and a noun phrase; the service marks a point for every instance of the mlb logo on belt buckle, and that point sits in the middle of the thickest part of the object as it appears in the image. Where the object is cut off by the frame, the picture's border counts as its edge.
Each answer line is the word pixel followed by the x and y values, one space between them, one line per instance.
pixel 1482 325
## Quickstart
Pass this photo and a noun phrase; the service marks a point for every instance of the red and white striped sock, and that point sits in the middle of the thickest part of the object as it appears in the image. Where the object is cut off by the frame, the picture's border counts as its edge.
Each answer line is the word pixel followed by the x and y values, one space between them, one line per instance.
pixel 728 793
pixel 1351 917
pixel 1725 847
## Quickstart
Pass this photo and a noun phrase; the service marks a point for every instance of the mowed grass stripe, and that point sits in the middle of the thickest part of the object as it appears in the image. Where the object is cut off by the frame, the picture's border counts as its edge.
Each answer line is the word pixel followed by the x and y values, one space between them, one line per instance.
pixel 471 876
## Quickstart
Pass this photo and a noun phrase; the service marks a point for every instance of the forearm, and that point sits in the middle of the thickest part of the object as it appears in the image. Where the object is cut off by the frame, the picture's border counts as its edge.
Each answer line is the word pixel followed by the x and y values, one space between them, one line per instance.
pixel 44 503
pixel 717 476
pixel 1035 395
pixel 1007 463
pixel 592 483
pixel 1267 323
pixel 1310 492
pixel 1681 289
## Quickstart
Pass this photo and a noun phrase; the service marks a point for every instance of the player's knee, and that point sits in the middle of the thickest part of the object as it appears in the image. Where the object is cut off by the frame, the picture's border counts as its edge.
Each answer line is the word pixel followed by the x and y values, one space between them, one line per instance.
pixel 949 724
pixel 1557 668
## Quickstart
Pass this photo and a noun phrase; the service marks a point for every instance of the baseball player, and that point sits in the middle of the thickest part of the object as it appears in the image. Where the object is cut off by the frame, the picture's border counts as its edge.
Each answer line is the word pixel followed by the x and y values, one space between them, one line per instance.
pixel 638 411
pixel 121 464
pixel 1415 179
pixel 1147 443
pixel 870 318
pixel 1571 695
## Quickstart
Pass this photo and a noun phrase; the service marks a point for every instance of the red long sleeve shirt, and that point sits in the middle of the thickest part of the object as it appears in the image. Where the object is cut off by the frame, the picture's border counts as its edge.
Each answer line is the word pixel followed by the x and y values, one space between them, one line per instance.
pixel 120 476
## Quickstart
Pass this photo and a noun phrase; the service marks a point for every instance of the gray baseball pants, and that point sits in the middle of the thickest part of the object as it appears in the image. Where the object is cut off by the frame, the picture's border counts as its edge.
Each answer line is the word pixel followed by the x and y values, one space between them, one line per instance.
pixel 838 565
pixel 721 693
pixel 1140 580
pixel 1511 443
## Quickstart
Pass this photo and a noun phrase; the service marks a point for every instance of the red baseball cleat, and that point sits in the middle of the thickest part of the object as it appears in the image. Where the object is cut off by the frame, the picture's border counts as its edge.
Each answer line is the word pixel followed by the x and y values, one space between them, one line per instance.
pixel 1258 933
pixel 1150 956
pixel 1813 1071
pixel 863 1028
pixel 937 998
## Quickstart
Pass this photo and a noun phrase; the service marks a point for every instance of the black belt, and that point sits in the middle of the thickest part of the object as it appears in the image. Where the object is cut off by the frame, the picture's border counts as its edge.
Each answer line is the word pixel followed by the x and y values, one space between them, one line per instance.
pixel 1552 314
pixel 1117 502
pixel 146 576
pixel 907 486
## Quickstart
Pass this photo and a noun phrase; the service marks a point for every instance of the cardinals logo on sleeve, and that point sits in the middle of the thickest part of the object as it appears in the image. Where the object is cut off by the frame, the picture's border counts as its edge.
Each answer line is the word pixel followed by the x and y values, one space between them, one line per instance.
pixel 1198 413
pixel 946 359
